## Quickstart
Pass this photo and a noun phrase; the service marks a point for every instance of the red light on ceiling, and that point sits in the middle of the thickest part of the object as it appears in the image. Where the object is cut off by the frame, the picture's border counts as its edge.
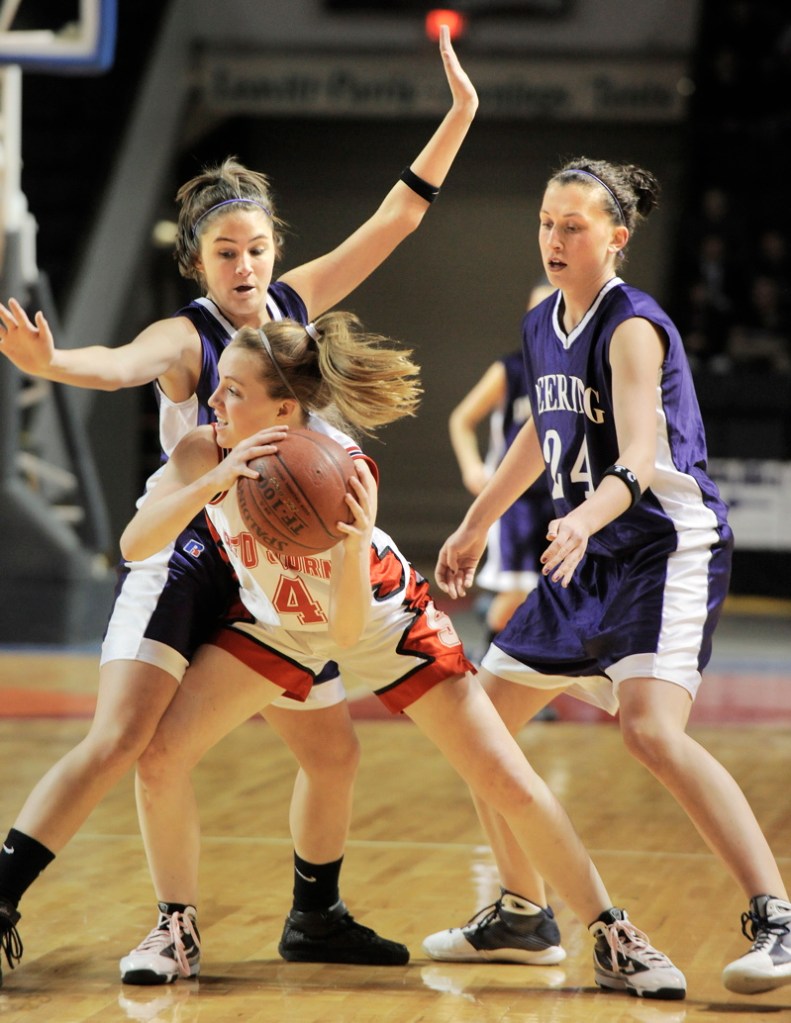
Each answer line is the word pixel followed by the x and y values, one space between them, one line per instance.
pixel 455 20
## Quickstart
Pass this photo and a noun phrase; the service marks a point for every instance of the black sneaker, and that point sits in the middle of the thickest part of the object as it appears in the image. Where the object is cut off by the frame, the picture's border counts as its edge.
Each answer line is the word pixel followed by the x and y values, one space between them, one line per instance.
pixel 10 942
pixel 768 963
pixel 334 936
pixel 511 930
pixel 624 960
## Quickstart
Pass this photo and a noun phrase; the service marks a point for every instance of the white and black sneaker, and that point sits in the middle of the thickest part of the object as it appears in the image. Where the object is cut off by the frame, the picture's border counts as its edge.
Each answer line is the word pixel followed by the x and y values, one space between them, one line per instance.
pixel 768 963
pixel 511 930
pixel 10 942
pixel 624 960
pixel 171 950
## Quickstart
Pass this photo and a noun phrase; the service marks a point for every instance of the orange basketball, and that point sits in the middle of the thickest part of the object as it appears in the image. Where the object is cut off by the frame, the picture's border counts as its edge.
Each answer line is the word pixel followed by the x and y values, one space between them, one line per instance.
pixel 295 503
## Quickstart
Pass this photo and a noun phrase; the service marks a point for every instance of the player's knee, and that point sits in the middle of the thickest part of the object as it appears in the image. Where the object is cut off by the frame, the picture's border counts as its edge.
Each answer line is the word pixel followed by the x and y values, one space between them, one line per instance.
pixel 154 764
pixel 338 758
pixel 116 750
pixel 648 742
pixel 510 793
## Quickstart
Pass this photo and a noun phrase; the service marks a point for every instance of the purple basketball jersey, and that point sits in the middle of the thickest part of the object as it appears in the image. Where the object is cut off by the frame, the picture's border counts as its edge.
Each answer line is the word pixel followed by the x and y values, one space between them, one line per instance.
pixel 570 384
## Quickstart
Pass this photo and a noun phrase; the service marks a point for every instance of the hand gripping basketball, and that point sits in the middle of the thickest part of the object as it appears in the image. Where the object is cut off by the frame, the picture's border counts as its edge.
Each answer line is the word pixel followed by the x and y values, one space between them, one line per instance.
pixel 294 504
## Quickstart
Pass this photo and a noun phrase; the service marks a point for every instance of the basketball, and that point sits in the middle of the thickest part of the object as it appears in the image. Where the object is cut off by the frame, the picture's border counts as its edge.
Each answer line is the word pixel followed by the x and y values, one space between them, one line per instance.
pixel 295 503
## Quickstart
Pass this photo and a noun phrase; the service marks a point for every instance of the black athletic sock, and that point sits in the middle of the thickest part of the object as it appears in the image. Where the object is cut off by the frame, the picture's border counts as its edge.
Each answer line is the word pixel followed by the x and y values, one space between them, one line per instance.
pixel 178 907
pixel 21 861
pixel 609 916
pixel 172 907
pixel 316 885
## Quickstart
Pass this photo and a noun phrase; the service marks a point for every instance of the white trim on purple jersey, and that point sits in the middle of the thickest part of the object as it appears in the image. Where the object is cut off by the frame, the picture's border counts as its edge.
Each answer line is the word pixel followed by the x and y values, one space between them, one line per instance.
pixel 570 382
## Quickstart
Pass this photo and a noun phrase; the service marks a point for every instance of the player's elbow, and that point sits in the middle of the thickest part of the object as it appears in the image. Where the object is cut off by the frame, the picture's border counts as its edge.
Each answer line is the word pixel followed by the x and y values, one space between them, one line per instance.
pixel 412 216
pixel 456 422
pixel 133 546
pixel 645 471
pixel 403 216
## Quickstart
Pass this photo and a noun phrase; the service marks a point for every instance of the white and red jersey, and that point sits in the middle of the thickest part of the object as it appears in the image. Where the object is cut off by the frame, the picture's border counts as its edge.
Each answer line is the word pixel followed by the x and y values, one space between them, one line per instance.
pixel 291 591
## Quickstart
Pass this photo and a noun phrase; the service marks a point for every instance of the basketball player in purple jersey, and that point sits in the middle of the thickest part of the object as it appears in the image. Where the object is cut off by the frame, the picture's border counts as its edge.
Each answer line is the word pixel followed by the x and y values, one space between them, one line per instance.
pixel 228 241
pixel 637 567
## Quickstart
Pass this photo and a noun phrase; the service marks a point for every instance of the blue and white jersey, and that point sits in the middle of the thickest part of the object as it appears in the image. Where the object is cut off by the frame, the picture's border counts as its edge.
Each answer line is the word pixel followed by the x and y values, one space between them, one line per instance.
pixel 177 418
pixel 570 382
pixel 167 605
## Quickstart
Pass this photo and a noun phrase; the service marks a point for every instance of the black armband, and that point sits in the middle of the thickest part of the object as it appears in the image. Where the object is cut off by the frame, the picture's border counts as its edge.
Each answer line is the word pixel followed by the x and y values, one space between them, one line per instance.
pixel 418 185
pixel 628 478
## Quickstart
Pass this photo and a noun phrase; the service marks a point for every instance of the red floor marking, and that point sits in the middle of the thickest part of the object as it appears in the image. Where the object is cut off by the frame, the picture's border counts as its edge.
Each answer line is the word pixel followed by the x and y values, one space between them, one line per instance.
pixel 44 703
pixel 723 699
pixel 755 698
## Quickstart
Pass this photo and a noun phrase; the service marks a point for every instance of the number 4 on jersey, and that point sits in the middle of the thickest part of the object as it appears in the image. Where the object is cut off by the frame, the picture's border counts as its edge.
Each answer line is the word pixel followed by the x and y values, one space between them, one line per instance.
pixel 292 597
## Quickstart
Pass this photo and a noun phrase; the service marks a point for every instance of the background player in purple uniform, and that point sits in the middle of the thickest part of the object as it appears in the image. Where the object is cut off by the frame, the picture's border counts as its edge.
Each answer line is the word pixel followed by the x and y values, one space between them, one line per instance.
pixel 515 541
pixel 638 563
pixel 228 241
pixel 376 619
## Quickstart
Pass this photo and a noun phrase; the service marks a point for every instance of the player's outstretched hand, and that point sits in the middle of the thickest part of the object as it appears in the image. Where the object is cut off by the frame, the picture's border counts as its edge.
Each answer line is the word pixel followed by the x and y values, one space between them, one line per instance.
pixel 462 89
pixel 29 345
pixel 458 561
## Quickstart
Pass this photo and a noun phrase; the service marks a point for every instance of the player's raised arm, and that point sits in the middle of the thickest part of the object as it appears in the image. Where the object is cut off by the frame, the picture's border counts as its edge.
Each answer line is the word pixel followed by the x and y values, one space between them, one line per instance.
pixel 325 281
pixel 435 160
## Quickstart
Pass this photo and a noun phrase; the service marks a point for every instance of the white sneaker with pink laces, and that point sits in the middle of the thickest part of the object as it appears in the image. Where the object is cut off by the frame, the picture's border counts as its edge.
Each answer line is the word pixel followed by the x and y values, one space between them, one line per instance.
pixel 624 960
pixel 171 950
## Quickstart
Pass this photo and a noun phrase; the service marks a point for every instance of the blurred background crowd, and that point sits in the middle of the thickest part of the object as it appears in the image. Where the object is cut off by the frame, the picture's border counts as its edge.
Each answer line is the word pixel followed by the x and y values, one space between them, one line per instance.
pixel 732 281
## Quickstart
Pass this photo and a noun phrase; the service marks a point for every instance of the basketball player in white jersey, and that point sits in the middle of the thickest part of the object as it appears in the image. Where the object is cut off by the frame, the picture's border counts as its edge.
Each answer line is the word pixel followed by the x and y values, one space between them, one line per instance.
pixel 369 611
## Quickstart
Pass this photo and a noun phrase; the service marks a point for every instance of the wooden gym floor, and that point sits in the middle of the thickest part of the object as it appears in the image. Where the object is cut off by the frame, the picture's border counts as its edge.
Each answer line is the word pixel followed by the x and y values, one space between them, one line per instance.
pixel 415 863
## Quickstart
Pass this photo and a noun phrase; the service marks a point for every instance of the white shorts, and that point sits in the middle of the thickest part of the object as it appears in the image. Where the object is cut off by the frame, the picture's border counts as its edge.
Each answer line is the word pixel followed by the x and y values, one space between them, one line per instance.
pixel 171 603
pixel 404 652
